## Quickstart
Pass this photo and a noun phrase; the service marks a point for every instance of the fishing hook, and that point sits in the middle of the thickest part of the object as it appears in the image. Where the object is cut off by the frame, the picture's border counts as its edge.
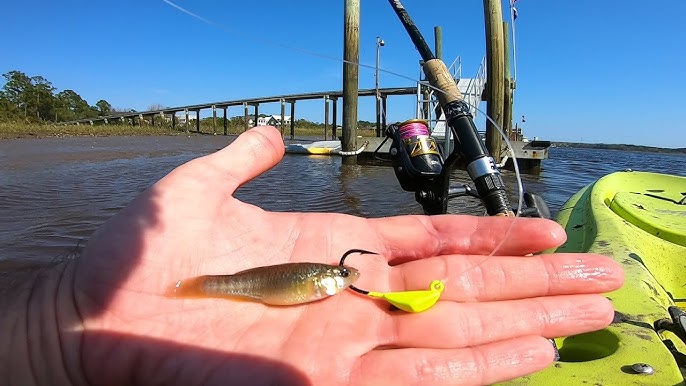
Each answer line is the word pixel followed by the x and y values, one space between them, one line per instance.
pixel 362 252
pixel 408 301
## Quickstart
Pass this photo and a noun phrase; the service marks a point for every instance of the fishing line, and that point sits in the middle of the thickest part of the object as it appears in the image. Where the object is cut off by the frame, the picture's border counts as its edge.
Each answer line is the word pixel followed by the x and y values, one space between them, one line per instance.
pixel 520 193
pixel 272 43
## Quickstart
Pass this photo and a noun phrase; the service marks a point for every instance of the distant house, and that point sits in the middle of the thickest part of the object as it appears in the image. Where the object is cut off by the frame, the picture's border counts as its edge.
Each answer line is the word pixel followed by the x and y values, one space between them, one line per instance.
pixel 273 120
pixel 181 118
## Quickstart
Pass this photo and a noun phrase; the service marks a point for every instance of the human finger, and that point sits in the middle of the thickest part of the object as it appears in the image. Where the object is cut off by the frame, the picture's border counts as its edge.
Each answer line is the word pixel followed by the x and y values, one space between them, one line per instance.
pixel 454 325
pixel 484 364
pixel 488 278
pixel 251 154
pixel 414 237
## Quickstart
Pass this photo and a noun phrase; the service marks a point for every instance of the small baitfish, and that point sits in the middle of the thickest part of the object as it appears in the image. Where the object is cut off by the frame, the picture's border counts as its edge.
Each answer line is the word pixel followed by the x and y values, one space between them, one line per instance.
pixel 283 284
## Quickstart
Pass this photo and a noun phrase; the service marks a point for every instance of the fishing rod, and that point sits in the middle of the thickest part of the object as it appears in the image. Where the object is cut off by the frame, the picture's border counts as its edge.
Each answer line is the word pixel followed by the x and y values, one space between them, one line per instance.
pixel 417 163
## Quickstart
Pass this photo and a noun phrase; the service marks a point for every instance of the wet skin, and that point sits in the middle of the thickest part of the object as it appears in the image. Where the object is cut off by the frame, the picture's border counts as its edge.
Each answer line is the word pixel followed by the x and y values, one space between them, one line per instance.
pixel 104 319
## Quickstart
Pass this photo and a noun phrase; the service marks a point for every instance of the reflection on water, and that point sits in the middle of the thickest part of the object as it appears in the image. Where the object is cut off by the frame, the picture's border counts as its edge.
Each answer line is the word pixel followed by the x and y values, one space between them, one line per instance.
pixel 56 191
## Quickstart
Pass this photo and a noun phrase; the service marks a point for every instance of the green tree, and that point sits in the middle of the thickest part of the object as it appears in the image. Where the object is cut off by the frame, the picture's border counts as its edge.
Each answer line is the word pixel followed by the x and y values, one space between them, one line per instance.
pixel 27 97
pixel 15 90
pixel 41 96
pixel 72 106
pixel 104 107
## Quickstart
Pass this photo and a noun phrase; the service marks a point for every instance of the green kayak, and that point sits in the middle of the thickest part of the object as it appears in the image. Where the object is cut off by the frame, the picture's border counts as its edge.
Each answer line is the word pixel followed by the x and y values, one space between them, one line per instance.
pixel 639 219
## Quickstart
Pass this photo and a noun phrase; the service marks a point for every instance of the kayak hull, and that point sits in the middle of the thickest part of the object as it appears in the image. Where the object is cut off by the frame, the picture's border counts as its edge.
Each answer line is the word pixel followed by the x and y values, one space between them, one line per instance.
pixel 638 219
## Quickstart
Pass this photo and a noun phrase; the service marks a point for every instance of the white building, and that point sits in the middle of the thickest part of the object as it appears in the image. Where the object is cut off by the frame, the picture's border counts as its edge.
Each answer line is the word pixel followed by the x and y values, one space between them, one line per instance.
pixel 273 120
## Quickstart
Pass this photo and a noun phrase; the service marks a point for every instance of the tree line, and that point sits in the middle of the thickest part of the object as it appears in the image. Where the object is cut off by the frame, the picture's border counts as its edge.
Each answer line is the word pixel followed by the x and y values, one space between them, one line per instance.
pixel 35 99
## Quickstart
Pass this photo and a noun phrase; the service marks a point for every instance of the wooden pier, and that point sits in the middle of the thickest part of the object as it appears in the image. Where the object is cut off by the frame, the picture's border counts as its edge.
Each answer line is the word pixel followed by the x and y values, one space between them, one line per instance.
pixel 329 98
pixel 498 95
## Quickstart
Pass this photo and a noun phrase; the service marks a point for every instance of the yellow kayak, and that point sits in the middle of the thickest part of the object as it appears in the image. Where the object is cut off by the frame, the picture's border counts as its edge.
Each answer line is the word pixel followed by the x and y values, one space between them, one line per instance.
pixel 639 219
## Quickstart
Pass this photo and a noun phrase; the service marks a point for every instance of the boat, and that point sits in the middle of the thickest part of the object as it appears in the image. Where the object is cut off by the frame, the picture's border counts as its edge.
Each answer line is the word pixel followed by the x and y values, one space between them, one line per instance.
pixel 315 148
pixel 639 219
pixel 327 147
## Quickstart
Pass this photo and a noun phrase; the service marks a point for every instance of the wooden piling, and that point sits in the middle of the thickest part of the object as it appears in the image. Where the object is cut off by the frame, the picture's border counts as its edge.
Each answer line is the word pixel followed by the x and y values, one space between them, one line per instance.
pixel 493 15
pixel 438 42
pixel 425 93
pixel 226 128
pixel 245 116
pixel 197 121
pixel 187 119
pixel 257 113
pixel 351 53
pixel 383 117
pixel 292 118
pixel 214 119
pixel 283 115
pixel 326 117
pixel 508 89
pixel 334 120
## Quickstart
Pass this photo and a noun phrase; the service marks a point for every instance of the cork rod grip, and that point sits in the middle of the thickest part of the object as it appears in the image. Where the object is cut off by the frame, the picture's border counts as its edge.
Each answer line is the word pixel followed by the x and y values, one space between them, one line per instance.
pixel 439 76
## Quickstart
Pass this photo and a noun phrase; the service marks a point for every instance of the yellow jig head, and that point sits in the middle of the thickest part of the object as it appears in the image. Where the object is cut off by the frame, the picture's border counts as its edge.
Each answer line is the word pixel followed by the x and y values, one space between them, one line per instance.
pixel 408 301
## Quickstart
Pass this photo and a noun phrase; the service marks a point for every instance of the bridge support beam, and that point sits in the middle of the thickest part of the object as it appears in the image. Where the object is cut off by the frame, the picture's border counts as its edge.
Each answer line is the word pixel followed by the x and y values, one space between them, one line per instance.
pixel 197 121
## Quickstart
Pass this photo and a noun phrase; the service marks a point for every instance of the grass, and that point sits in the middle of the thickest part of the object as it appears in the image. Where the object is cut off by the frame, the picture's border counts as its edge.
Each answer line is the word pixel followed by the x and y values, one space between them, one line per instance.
pixel 32 130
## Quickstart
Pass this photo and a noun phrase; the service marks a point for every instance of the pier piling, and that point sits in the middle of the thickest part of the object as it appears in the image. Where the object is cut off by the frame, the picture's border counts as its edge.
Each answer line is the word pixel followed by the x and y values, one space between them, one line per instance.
pixel 185 123
pixel 326 117
pixel 334 120
pixel 351 54
pixel 292 119
pixel 283 115
pixel 245 117
pixel 225 120
pixel 214 119
pixel 508 85
pixel 495 87
pixel 438 42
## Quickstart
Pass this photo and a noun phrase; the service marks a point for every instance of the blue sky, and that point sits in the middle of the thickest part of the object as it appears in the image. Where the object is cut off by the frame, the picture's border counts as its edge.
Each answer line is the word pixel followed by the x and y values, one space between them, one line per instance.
pixel 592 71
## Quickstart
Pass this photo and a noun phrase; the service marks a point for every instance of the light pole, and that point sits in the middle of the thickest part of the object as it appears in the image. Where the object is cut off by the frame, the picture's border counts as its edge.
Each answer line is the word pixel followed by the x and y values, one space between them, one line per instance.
pixel 379 43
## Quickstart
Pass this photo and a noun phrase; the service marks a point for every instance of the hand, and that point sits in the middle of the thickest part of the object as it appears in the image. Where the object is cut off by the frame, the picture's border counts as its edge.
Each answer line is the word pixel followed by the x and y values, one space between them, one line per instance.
pixel 490 324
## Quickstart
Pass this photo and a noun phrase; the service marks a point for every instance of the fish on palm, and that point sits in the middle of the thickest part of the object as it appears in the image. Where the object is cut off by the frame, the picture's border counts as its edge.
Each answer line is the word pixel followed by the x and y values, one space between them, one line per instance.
pixel 282 284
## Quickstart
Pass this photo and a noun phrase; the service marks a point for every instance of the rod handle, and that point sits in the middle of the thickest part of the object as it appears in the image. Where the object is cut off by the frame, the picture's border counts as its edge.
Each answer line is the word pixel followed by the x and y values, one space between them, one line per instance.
pixel 439 76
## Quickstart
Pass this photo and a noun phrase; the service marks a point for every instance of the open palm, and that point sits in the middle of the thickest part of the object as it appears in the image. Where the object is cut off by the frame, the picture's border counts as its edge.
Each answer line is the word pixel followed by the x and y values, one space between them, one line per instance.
pixel 490 324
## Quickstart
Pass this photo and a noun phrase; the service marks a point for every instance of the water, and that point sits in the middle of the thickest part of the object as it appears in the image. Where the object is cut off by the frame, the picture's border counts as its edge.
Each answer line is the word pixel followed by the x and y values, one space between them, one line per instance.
pixel 57 191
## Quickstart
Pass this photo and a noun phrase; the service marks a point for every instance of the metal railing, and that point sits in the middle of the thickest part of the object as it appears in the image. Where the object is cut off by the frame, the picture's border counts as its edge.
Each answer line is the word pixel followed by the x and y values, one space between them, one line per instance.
pixel 427 104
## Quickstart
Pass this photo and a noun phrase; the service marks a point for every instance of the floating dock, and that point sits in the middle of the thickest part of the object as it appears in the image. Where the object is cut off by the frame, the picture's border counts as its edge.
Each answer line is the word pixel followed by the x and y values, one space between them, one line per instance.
pixel 529 154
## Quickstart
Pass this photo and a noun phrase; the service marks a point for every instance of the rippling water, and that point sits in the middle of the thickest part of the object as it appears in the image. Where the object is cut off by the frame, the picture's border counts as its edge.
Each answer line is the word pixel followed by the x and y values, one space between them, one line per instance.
pixel 57 191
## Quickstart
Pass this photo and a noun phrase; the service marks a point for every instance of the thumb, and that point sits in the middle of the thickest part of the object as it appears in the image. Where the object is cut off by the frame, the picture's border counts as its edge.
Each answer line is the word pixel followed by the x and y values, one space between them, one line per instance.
pixel 251 154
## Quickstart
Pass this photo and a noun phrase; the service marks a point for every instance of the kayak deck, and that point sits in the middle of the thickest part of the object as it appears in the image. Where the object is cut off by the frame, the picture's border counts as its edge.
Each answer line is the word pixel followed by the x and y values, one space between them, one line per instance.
pixel 639 219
